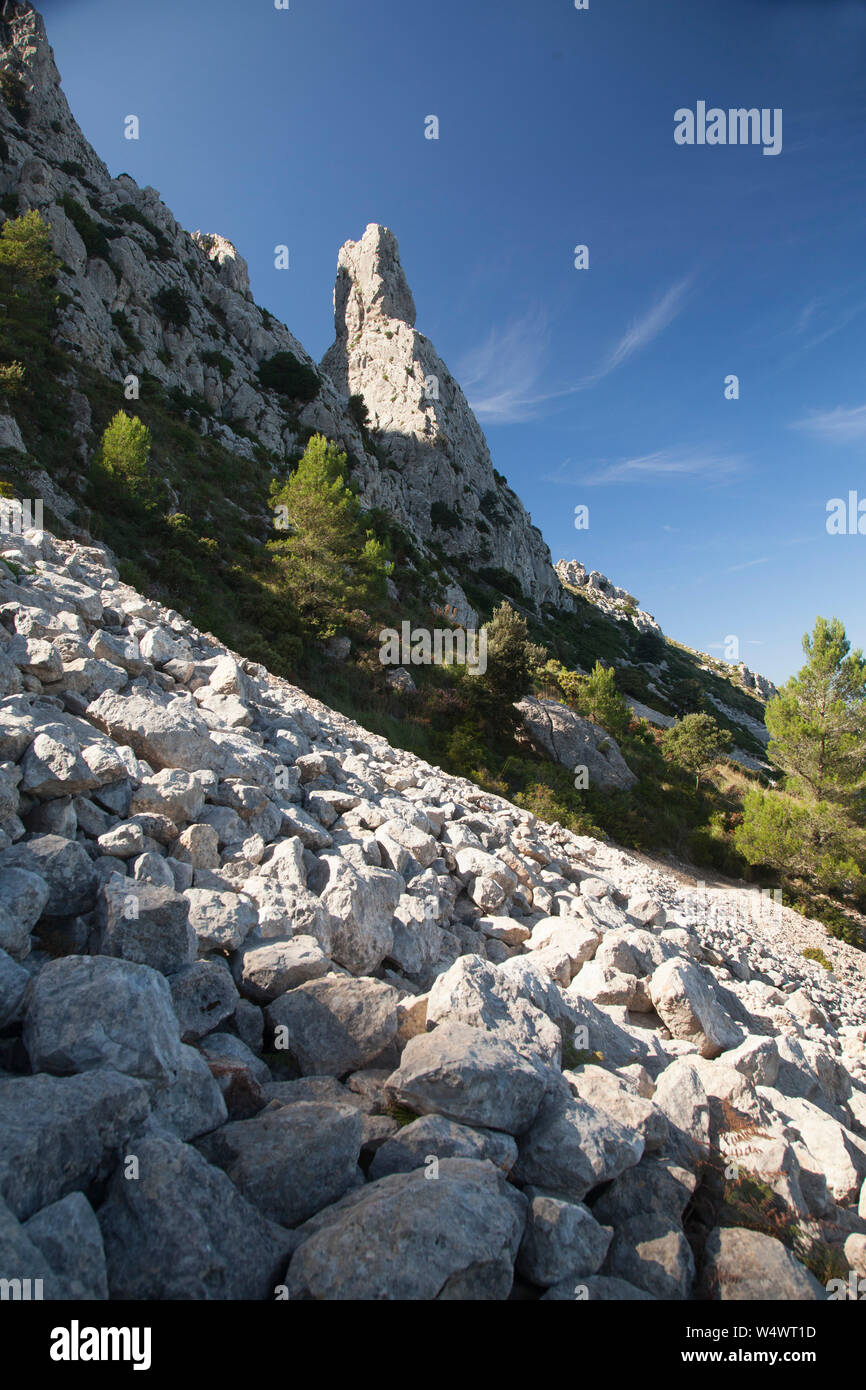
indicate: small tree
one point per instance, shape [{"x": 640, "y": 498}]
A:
[
  {"x": 290, "y": 377},
  {"x": 14, "y": 92},
  {"x": 12, "y": 379},
  {"x": 359, "y": 412},
  {"x": 818, "y": 721},
  {"x": 122, "y": 456},
  {"x": 697, "y": 743},
  {"x": 808, "y": 840},
  {"x": 510, "y": 657},
  {"x": 687, "y": 695},
  {"x": 26, "y": 257},
  {"x": 330, "y": 564},
  {"x": 601, "y": 701}
]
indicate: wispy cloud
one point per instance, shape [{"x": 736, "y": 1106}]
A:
[
  {"x": 665, "y": 465},
  {"x": 749, "y": 564},
  {"x": 642, "y": 331},
  {"x": 840, "y": 426},
  {"x": 502, "y": 376}
]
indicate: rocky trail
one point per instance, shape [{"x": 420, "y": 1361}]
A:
[{"x": 286, "y": 1012}]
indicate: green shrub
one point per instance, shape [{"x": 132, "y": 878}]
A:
[
  {"x": 14, "y": 93},
  {"x": 219, "y": 360},
  {"x": 815, "y": 953},
  {"x": 122, "y": 457},
  {"x": 11, "y": 379},
  {"x": 172, "y": 307},
  {"x": 287, "y": 376},
  {"x": 504, "y": 582},
  {"x": 443, "y": 518},
  {"x": 359, "y": 412},
  {"x": 92, "y": 233},
  {"x": 126, "y": 331},
  {"x": 25, "y": 249},
  {"x": 697, "y": 743}
]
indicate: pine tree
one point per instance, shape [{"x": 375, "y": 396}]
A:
[
  {"x": 510, "y": 657},
  {"x": 330, "y": 564},
  {"x": 818, "y": 721},
  {"x": 26, "y": 257},
  {"x": 122, "y": 457},
  {"x": 601, "y": 701}
]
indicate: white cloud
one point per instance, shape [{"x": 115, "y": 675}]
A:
[
  {"x": 501, "y": 376},
  {"x": 664, "y": 465},
  {"x": 749, "y": 564},
  {"x": 840, "y": 426},
  {"x": 643, "y": 330}
]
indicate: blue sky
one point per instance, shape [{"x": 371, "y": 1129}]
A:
[{"x": 604, "y": 386}]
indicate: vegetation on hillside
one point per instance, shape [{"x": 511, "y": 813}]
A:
[{"x": 273, "y": 559}]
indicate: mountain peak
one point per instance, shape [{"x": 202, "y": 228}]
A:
[{"x": 371, "y": 283}]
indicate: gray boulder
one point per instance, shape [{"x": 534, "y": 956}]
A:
[
  {"x": 684, "y": 997},
  {"x": 264, "y": 971},
  {"x": 149, "y": 925},
  {"x": 362, "y": 905},
  {"x": 67, "y": 1232},
  {"x": 652, "y": 1253},
  {"x": 93, "y": 1011},
  {"x": 172, "y": 792},
  {"x": 23, "y": 898},
  {"x": 193, "y": 1104},
  {"x": 60, "y": 1134},
  {"x": 741, "y": 1265},
  {"x": 25, "y": 1269},
  {"x": 290, "y": 1160},
  {"x": 165, "y": 731},
  {"x": 182, "y": 1230},
  {"x": 452, "y": 1238},
  {"x": 432, "y": 1136},
  {"x": 468, "y": 1075},
  {"x": 64, "y": 865},
  {"x": 335, "y": 1025},
  {"x": 473, "y": 992},
  {"x": 562, "y": 1240},
  {"x": 204, "y": 996},
  {"x": 14, "y": 980},
  {"x": 572, "y": 1147},
  {"x": 572, "y": 741},
  {"x": 221, "y": 920}
]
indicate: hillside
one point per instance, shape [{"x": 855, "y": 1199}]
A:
[
  {"x": 296, "y": 974},
  {"x": 323, "y": 979},
  {"x": 232, "y": 397}
]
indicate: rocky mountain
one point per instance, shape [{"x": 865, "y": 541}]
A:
[
  {"x": 367, "y": 1031},
  {"x": 149, "y": 307},
  {"x": 443, "y": 482},
  {"x": 144, "y": 296},
  {"x": 618, "y": 603}
]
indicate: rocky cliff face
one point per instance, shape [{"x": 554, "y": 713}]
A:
[
  {"x": 617, "y": 603},
  {"x": 240, "y": 935},
  {"x": 443, "y": 483},
  {"x": 145, "y": 296}
]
